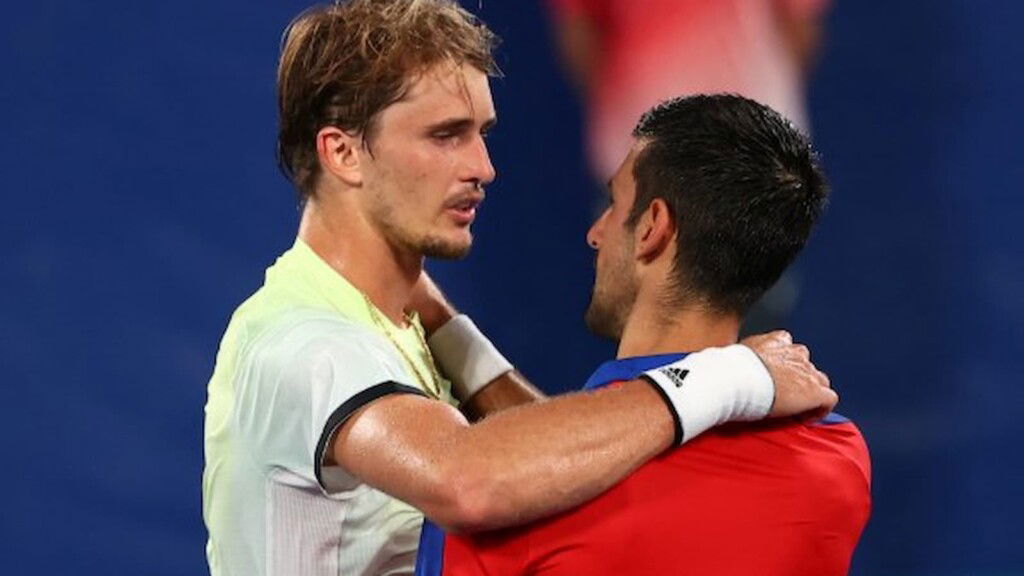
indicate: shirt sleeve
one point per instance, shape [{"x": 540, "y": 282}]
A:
[{"x": 306, "y": 384}]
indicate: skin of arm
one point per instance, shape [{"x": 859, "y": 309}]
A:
[
  {"x": 525, "y": 462},
  {"x": 518, "y": 465},
  {"x": 535, "y": 460},
  {"x": 508, "y": 390}
]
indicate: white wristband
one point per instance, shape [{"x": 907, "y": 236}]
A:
[
  {"x": 466, "y": 356},
  {"x": 712, "y": 387}
]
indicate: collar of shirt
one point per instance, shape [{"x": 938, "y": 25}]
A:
[
  {"x": 303, "y": 279},
  {"x": 627, "y": 369},
  {"x": 321, "y": 285}
]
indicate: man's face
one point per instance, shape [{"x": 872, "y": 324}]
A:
[
  {"x": 615, "y": 282},
  {"x": 429, "y": 162}
]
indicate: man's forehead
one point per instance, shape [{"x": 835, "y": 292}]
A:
[
  {"x": 625, "y": 172},
  {"x": 448, "y": 89}
]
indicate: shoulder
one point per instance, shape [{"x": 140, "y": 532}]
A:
[
  {"x": 840, "y": 432},
  {"x": 306, "y": 332},
  {"x": 822, "y": 449},
  {"x": 313, "y": 344},
  {"x": 830, "y": 451},
  {"x": 846, "y": 439}
]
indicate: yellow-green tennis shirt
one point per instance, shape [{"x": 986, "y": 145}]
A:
[{"x": 298, "y": 357}]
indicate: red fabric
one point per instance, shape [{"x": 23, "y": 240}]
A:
[{"x": 777, "y": 498}]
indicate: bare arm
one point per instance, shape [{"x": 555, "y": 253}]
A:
[
  {"x": 511, "y": 468},
  {"x": 508, "y": 390},
  {"x": 531, "y": 461}
]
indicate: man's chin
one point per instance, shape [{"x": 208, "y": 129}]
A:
[
  {"x": 603, "y": 323},
  {"x": 443, "y": 249}
]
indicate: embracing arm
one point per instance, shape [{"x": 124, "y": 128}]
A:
[
  {"x": 509, "y": 388},
  {"x": 513, "y": 467},
  {"x": 543, "y": 457},
  {"x": 531, "y": 461}
]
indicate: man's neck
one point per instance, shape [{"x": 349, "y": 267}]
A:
[
  {"x": 666, "y": 329},
  {"x": 355, "y": 250}
]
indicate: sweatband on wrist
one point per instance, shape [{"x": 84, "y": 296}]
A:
[
  {"x": 466, "y": 356},
  {"x": 712, "y": 387}
]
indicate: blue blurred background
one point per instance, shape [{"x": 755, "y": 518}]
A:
[{"x": 142, "y": 204}]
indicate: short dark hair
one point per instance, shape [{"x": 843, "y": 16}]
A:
[
  {"x": 745, "y": 189},
  {"x": 343, "y": 63}
]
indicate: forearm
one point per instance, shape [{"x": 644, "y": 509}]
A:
[
  {"x": 508, "y": 390},
  {"x": 557, "y": 454},
  {"x": 453, "y": 353},
  {"x": 516, "y": 466},
  {"x": 539, "y": 459}
]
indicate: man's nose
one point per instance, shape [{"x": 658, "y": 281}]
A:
[
  {"x": 480, "y": 168},
  {"x": 593, "y": 233}
]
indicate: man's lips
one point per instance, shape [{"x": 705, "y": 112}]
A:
[{"x": 463, "y": 207}]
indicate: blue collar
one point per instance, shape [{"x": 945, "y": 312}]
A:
[{"x": 627, "y": 369}]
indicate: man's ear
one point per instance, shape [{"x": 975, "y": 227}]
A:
[
  {"x": 340, "y": 154},
  {"x": 655, "y": 231}
]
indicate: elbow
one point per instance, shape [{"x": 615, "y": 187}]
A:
[{"x": 474, "y": 501}]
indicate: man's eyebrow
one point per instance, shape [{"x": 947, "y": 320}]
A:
[{"x": 456, "y": 125}]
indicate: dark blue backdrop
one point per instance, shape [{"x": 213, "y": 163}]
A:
[{"x": 141, "y": 204}]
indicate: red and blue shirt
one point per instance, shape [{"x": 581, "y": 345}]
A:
[{"x": 776, "y": 497}]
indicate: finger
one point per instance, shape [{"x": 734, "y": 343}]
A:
[
  {"x": 801, "y": 351},
  {"x": 755, "y": 341},
  {"x": 830, "y": 399},
  {"x": 783, "y": 335},
  {"x": 823, "y": 379}
]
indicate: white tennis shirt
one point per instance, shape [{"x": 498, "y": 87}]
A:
[{"x": 298, "y": 357}]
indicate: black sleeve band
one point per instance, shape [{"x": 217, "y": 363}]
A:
[
  {"x": 671, "y": 409},
  {"x": 347, "y": 408}
]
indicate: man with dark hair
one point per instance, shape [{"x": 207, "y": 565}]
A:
[
  {"x": 329, "y": 429},
  {"x": 715, "y": 199}
]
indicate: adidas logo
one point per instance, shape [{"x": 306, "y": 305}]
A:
[{"x": 676, "y": 375}]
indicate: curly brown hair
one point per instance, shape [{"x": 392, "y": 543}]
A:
[{"x": 343, "y": 63}]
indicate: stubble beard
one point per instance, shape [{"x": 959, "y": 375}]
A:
[
  {"x": 611, "y": 302},
  {"x": 422, "y": 244},
  {"x": 441, "y": 249},
  {"x": 428, "y": 245}
]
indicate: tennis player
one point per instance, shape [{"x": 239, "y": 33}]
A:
[
  {"x": 329, "y": 429},
  {"x": 715, "y": 199}
]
